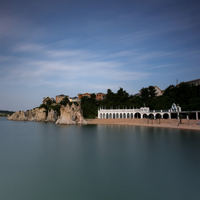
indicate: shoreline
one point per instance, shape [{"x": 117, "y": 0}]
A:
[{"x": 162, "y": 123}]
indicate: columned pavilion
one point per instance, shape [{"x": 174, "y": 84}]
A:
[{"x": 143, "y": 112}]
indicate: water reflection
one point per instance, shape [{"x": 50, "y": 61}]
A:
[{"x": 45, "y": 161}]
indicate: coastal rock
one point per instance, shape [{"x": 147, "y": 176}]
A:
[
  {"x": 39, "y": 114},
  {"x": 36, "y": 114},
  {"x": 18, "y": 116},
  {"x": 52, "y": 116},
  {"x": 71, "y": 115}
]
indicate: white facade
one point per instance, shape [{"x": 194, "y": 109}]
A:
[
  {"x": 159, "y": 92},
  {"x": 143, "y": 112},
  {"x": 74, "y": 99}
]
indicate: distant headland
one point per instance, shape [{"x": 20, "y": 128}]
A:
[{"x": 5, "y": 113}]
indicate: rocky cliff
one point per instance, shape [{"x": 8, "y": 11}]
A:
[
  {"x": 52, "y": 116},
  {"x": 69, "y": 115},
  {"x": 36, "y": 114}
]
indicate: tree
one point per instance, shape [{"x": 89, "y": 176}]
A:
[
  {"x": 48, "y": 102},
  {"x": 170, "y": 91},
  {"x": 152, "y": 91},
  {"x": 187, "y": 96},
  {"x": 110, "y": 96},
  {"x": 56, "y": 108},
  {"x": 122, "y": 95},
  {"x": 45, "y": 106},
  {"x": 65, "y": 101},
  {"x": 144, "y": 94},
  {"x": 89, "y": 106}
]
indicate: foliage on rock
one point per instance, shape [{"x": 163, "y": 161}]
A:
[{"x": 65, "y": 101}]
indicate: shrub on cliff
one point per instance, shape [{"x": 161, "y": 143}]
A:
[
  {"x": 65, "y": 101},
  {"x": 55, "y": 107}
]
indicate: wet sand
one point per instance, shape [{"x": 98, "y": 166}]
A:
[{"x": 165, "y": 123}]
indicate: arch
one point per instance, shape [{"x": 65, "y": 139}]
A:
[
  {"x": 174, "y": 115},
  {"x": 129, "y": 114},
  {"x": 117, "y": 115},
  {"x": 137, "y": 115},
  {"x": 151, "y": 116},
  {"x": 166, "y": 116},
  {"x": 145, "y": 116},
  {"x": 158, "y": 116}
]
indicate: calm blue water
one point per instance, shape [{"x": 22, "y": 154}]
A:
[{"x": 43, "y": 161}]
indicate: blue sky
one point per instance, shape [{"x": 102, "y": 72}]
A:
[{"x": 68, "y": 47}]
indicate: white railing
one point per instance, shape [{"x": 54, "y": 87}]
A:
[{"x": 124, "y": 110}]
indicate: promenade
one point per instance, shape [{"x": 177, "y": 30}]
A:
[{"x": 164, "y": 123}]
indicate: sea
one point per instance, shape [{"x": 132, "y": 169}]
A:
[{"x": 44, "y": 161}]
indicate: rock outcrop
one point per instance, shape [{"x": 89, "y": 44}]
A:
[
  {"x": 52, "y": 116},
  {"x": 37, "y": 114},
  {"x": 18, "y": 116},
  {"x": 71, "y": 115}
]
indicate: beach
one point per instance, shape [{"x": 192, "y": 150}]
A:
[{"x": 164, "y": 123}]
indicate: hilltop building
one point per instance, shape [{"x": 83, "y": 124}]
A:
[
  {"x": 74, "y": 99},
  {"x": 47, "y": 100},
  {"x": 100, "y": 96},
  {"x": 84, "y": 95},
  {"x": 159, "y": 92},
  {"x": 193, "y": 82},
  {"x": 60, "y": 97}
]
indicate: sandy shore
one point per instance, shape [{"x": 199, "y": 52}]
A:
[{"x": 165, "y": 123}]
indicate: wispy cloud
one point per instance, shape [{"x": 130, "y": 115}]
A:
[
  {"x": 163, "y": 66},
  {"x": 28, "y": 47},
  {"x": 36, "y": 64},
  {"x": 58, "y": 65}
]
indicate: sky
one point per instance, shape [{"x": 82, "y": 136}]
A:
[{"x": 48, "y": 48}]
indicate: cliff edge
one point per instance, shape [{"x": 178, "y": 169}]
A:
[
  {"x": 69, "y": 115},
  {"x": 37, "y": 114}
]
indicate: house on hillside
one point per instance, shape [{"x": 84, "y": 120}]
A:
[
  {"x": 193, "y": 82},
  {"x": 60, "y": 97},
  {"x": 100, "y": 96},
  {"x": 159, "y": 92},
  {"x": 84, "y": 95},
  {"x": 74, "y": 99},
  {"x": 48, "y": 100}
]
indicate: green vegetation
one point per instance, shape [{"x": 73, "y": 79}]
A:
[
  {"x": 120, "y": 99},
  {"x": 55, "y": 107},
  {"x": 185, "y": 95},
  {"x": 65, "y": 101},
  {"x": 4, "y": 113},
  {"x": 89, "y": 106}
]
